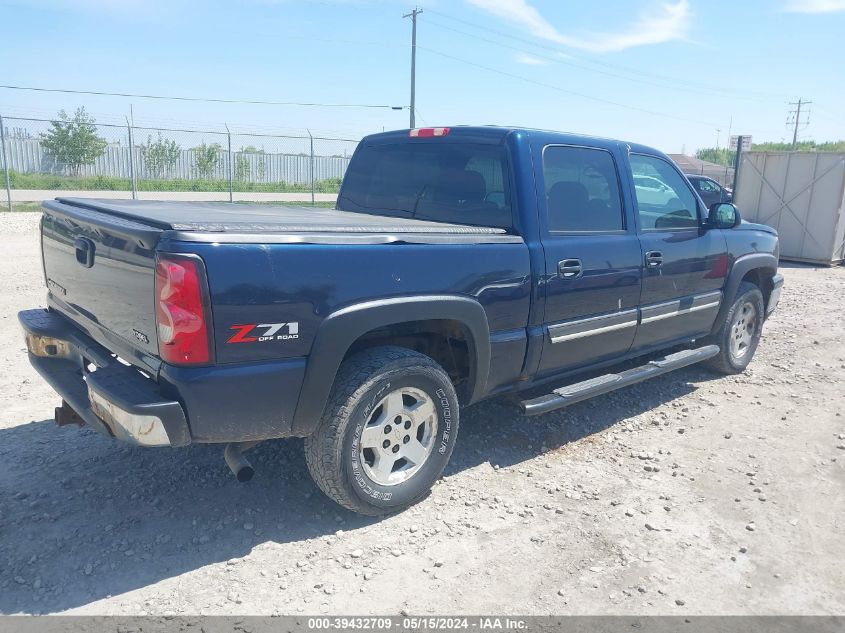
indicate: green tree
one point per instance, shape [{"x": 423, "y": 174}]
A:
[
  {"x": 207, "y": 158},
  {"x": 73, "y": 141},
  {"x": 242, "y": 168},
  {"x": 160, "y": 155},
  {"x": 724, "y": 156},
  {"x": 802, "y": 146},
  {"x": 246, "y": 169},
  {"x": 720, "y": 156}
]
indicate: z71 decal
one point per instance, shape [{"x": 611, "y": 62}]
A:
[{"x": 258, "y": 333}]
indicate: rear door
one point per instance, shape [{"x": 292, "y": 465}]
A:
[
  {"x": 685, "y": 264},
  {"x": 593, "y": 259}
]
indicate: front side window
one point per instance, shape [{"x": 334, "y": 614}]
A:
[
  {"x": 460, "y": 183},
  {"x": 664, "y": 198},
  {"x": 582, "y": 190},
  {"x": 707, "y": 186}
]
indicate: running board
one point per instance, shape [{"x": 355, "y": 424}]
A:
[{"x": 586, "y": 389}]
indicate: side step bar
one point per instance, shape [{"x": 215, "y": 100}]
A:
[{"x": 586, "y": 389}]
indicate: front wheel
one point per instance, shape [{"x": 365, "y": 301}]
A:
[
  {"x": 739, "y": 333},
  {"x": 387, "y": 432}
]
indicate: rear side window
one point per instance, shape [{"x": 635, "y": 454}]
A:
[
  {"x": 664, "y": 199},
  {"x": 582, "y": 190},
  {"x": 460, "y": 183}
]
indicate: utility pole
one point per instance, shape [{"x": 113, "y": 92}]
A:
[
  {"x": 794, "y": 119},
  {"x": 737, "y": 157},
  {"x": 133, "y": 179},
  {"x": 730, "y": 129},
  {"x": 5, "y": 164},
  {"x": 413, "y": 15}
]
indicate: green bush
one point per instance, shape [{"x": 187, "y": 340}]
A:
[{"x": 18, "y": 180}]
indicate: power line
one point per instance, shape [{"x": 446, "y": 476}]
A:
[
  {"x": 573, "y": 92},
  {"x": 557, "y": 60},
  {"x": 316, "y": 137},
  {"x": 556, "y": 49},
  {"x": 565, "y": 90},
  {"x": 205, "y": 99},
  {"x": 420, "y": 116},
  {"x": 828, "y": 114}
]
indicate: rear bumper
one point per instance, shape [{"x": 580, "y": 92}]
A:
[
  {"x": 223, "y": 403},
  {"x": 774, "y": 296},
  {"x": 116, "y": 399}
]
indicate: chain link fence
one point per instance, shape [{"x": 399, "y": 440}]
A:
[
  {"x": 41, "y": 159},
  {"x": 690, "y": 165}
]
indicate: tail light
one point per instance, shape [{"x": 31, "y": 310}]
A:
[
  {"x": 428, "y": 132},
  {"x": 182, "y": 310}
]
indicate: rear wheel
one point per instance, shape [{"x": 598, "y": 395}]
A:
[
  {"x": 739, "y": 333},
  {"x": 387, "y": 432}
]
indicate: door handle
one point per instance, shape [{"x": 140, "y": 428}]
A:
[
  {"x": 653, "y": 259},
  {"x": 569, "y": 268}
]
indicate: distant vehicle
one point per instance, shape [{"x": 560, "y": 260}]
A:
[
  {"x": 460, "y": 263},
  {"x": 651, "y": 190},
  {"x": 709, "y": 190}
]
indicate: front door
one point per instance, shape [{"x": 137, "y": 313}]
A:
[
  {"x": 593, "y": 260},
  {"x": 685, "y": 264}
]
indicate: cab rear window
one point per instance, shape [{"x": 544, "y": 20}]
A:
[{"x": 444, "y": 182}]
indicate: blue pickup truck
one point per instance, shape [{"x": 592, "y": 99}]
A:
[{"x": 459, "y": 264}]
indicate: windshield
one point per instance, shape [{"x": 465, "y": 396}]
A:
[{"x": 446, "y": 182}]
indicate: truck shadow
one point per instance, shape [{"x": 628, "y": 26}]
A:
[{"x": 83, "y": 518}]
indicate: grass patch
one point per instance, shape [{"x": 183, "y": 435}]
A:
[
  {"x": 21, "y": 207},
  {"x": 31, "y": 207},
  {"x": 110, "y": 183},
  {"x": 289, "y": 203}
]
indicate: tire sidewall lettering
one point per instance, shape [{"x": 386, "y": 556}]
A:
[{"x": 445, "y": 420}]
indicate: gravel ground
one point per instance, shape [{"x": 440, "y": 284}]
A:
[{"x": 688, "y": 494}]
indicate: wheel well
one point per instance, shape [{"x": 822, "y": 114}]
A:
[
  {"x": 762, "y": 278},
  {"x": 446, "y": 341}
]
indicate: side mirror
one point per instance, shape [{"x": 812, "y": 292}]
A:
[{"x": 723, "y": 215}]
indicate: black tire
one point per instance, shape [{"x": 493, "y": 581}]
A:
[
  {"x": 730, "y": 360},
  {"x": 338, "y": 464}
]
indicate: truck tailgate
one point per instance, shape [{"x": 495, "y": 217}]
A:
[{"x": 100, "y": 273}]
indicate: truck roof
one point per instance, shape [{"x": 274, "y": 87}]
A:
[{"x": 495, "y": 134}]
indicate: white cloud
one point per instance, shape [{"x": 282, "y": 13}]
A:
[
  {"x": 530, "y": 60},
  {"x": 814, "y": 6},
  {"x": 665, "y": 23},
  {"x": 521, "y": 13}
]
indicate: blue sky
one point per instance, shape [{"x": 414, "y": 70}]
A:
[{"x": 668, "y": 73}]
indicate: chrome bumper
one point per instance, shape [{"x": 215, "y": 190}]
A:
[{"x": 114, "y": 399}]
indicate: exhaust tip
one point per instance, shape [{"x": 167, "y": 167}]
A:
[
  {"x": 245, "y": 474},
  {"x": 237, "y": 463}
]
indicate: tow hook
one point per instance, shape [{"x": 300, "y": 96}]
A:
[
  {"x": 66, "y": 415},
  {"x": 238, "y": 464}
]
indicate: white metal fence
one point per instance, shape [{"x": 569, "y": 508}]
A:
[
  {"x": 139, "y": 159},
  {"x": 802, "y": 195}
]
